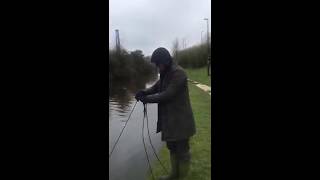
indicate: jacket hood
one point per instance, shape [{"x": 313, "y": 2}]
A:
[{"x": 161, "y": 56}]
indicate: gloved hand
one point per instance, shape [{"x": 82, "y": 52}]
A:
[
  {"x": 140, "y": 94},
  {"x": 144, "y": 99}
]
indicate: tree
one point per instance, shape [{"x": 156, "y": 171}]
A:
[
  {"x": 137, "y": 54},
  {"x": 175, "y": 50}
]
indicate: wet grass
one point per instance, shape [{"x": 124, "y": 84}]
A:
[
  {"x": 200, "y": 144},
  {"x": 199, "y": 74}
]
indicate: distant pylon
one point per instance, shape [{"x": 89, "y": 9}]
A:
[{"x": 117, "y": 41}]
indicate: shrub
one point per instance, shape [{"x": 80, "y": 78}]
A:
[{"x": 193, "y": 57}]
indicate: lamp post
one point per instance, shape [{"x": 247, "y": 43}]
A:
[
  {"x": 201, "y": 36},
  {"x": 206, "y": 19}
]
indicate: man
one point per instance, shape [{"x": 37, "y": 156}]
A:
[{"x": 175, "y": 117}]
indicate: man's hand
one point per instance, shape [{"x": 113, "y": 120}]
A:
[
  {"x": 144, "y": 99},
  {"x": 140, "y": 94}
]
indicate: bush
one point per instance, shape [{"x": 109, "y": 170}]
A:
[
  {"x": 124, "y": 65},
  {"x": 193, "y": 57}
]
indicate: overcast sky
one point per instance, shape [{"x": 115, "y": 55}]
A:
[{"x": 149, "y": 24}]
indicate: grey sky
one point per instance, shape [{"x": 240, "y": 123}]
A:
[{"x": 148, "y": 24}]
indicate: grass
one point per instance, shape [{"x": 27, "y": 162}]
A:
[
  {"x": 199, "y": 74},
  {"x": 200, "y": 144}
]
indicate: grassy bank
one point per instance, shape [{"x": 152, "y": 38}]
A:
[
  {"x": 200, "y": 144},
  {"x": 199, "y": 74}
]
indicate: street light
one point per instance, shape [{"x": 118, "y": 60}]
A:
[
  {"x": 206, "y": 19},
  {"x": 201, "y": 36}
]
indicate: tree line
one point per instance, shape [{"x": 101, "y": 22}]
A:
[
  {"x": 193, "y": 57},
  {"x": 125, "y": 65}
]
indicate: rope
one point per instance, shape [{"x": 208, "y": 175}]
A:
[
  {"x": 123, "y": 129},
  {"x": 154, "y": 151},
  {"x": 142, "y": 135},
  {"x": 144, "y": 144}
]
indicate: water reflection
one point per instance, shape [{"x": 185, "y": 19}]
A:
[
  {"x": 128, "y": 160},
  {"x": 122, "y": 93}
]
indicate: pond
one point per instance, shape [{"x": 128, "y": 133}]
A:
[{"x": 128, "y": 160}]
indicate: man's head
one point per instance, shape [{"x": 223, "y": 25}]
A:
[{"x": 161, "y": 57}]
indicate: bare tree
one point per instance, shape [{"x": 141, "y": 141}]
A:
[
  {"x": 175, "y": 50},
  {"x": 184, "y": 43}
]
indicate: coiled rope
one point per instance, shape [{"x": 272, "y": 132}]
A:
[{"x": 145, "y": 116}]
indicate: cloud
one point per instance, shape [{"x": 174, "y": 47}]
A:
[{"x": 148, "y": 24}]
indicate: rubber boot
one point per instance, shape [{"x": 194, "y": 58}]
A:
[
  {"x": 174, "y": 169},
  {"x": 183, "y": 165}
]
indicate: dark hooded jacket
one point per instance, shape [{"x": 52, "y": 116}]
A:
[{"x": 175, "y": 117}]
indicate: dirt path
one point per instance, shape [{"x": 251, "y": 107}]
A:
[{"x": 201, "y": 86}]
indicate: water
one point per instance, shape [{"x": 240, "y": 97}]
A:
[{"x": 128, "y": 160}]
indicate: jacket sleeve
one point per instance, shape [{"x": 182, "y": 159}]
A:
[
  {"x": 153, "y": 89},
  {"x": 177, "y": 82}
]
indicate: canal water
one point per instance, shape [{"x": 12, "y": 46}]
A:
[{"x": 128, "y": 160}]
